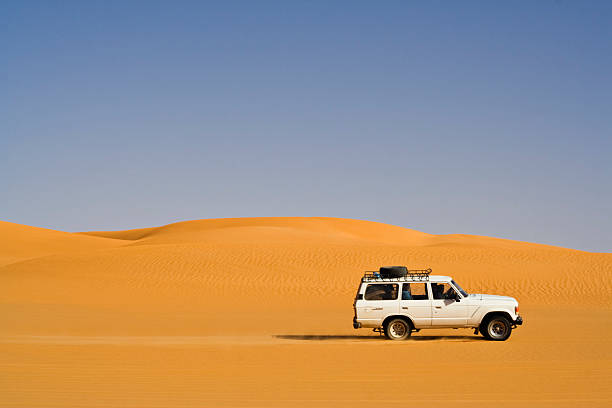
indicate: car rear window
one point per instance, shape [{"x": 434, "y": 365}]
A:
[{"x": 380, "y": 291}]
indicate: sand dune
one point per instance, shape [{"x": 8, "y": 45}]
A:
[
  {"x": 303, "y": 264},
  {"x": 267, "y": 229},
  {"x": 21, "y": 242},
  {"x": 264, "y": 284}
]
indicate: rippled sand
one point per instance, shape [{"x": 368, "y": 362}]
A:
[{"x": 257, "y": 312}]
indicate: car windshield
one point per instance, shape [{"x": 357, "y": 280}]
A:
[{"x": 463, "y": 292}]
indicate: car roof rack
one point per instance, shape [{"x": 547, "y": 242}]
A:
[{"x": 411, "y": 275}]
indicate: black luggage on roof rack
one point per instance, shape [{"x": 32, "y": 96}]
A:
[
  {"x": 387, "y": 272},
  {"x": 401, "y": 274}
]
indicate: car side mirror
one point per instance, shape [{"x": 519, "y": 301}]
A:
[{"x": 458, "y": 298}]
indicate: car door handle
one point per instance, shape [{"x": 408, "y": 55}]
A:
[
  {"x": 377, "y": 308},
  {"x": 438, "y": 307},
  {"x": 404, "y": 307}
]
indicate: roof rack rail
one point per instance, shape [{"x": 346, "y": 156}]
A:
[{"x": 412, "y": 275}]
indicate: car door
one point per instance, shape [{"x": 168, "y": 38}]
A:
[
  {"x": 416, "y": 303},
  {"x": 379, "y": 301},
  {"x": 446, "y": 311}
]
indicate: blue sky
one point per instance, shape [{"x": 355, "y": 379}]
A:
[{"x": 488, "y": 118}]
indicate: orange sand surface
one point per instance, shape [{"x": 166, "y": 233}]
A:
[{"x": 256, "y": 312}]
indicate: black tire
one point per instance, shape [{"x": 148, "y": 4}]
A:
[
  {"x": 482, "y": 329},
  {"x": 388, "y": 272},
  {"x": 398, "y": 329},
  {"x": 497, "y": 328}
]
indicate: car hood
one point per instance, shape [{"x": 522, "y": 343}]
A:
[{"x": 492, "y": 298}]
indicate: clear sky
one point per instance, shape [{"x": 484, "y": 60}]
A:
[{"x": 488, "y": 118}]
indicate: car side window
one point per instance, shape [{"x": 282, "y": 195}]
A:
[
  {"x": 443, "y": 291},
  {"x": 414, "y": 291},
  {"x": 381, "y": 292}
]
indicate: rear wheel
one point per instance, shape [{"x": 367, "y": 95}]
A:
[
  {"x": 398, "y": 329},
  {"x": 497, "y": 328}
]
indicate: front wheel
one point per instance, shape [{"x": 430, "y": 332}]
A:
[
  {"x": 398, "y": 329},
  {"x": 498, "y": 328}
]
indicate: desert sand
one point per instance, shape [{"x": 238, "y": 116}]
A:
[{"x": 256, "y": 312}]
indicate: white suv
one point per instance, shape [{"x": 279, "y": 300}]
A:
[{"x": 413, "y": 300}]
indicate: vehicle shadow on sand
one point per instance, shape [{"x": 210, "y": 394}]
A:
[{"x": 325, "y": 337}]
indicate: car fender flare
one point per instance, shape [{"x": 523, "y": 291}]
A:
[
  {"x": 397, "y": 316},
  {"x": 491, "y": 313}
]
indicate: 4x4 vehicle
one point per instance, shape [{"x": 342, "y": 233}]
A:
[{"x": 397, "y": 301}]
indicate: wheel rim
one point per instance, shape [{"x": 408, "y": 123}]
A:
[
  {"x": 497, "y": 329},
  {"x": 398, "y": 329}
]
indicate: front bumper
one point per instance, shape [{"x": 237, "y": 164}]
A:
[
  {"x": 518, "y": 321},
  {"x": 356, "y": 324}
]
